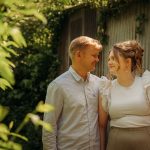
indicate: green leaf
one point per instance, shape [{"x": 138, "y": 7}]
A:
[
  {"x": 11, "y": 124},
  {"x": 6, "y": 70},
  {"x": 19, "y": 136},
  {"x": 4, "y": 53},
  {"x": 34, "y": 12},
  {"x": 45, "y": 125},
  {"x": 3, "y": 28},
  {"x": 11, "y": 50},
  {"x": 4, "y": 131},
  {"x": 41, "y": 107},
  {"x": 4, "y": 84},
  {"x": 10, "y": 145},
  {"x": 34, "y": 118},
  {"x": 40, "y": 17},
  {"x": 3, "y": 112},
  {"x": 17, "y": 37},
  {"x": 9, "y": 43},
  {"x": 36, "y": 121}
]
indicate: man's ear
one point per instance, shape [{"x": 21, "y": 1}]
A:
[{"x": 78, "y": 54}]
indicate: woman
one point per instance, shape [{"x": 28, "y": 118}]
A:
[{"x": 125, "y": 100}]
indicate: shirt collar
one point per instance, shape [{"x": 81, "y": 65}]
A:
[{"x": 77, "y": 76}]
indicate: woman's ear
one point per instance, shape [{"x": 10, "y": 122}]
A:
[{"x": 128, "y": 63}]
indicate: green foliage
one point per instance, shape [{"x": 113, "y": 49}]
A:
[
  {"x": 36, "y": 66},
  {"x": 102, "y": 21},
  {"x": 12, "y": 14},
  {"x": 140, "y": 22},
  {"x": 7, "y": 137},
  {"x": 11, "y": 36},
  {"x": 113, "y": 9},
  {"x": 36, "y": 63}
]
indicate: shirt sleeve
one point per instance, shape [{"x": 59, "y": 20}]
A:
[
  {"x": 104, "y": 90},
  {"x": 146, "y": 78},
  {"x": 54, "y": 97},
  {"x": 146, "y": 82}
]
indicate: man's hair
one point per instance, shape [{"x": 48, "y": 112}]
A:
[{"x": 81, "y": 43}]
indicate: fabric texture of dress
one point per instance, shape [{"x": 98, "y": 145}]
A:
[{"x": 129, "y": 110}]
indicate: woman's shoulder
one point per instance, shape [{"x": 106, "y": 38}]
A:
[
  {"x": 146, "y": 78},
  {"x": 104, "y": 82}
]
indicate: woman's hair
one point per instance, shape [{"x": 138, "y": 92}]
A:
[
  {"x": 130, "y": 49},
  {"x": 82, "y": 42}
]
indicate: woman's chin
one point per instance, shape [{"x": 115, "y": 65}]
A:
[{"x": 112, "y": 72}]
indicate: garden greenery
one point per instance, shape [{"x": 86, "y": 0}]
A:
[
  {"x": 33, "y": 63},
  {"x": 11, "y": 38}
]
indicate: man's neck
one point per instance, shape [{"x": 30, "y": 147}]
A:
[{"x": 80, "y": 71}]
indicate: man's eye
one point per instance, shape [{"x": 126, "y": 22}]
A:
[{"x": 95, "y": 56}]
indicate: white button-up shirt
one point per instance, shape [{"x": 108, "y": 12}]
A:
[{"x": 75, "y": 118}]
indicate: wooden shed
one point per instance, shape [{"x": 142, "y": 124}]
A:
[{"x": 133, "y": 22}]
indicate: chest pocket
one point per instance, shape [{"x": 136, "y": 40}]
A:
[
  {"x": 92, "y": 99},
  {"x": 75, "y": 98}
]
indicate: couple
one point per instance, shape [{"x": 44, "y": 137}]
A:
[{"x": 84, "y": 102}]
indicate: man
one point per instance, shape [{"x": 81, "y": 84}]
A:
[{"x": 74, "y": 94}]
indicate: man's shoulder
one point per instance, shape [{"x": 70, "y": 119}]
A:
[{"x": 61, "y": 78}]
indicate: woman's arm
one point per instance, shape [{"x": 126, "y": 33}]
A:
[{"x": 103, "y": 119}]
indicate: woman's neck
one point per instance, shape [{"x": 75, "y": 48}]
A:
[{"x": 125, "y": 79}]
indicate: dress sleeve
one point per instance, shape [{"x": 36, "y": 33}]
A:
[
  {"x": 146, "y": 78},
  {"x": 146, "y": 83},
  {"x": 104, "y": 90}
]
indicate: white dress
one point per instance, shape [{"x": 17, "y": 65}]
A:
[{"x": 128, "y": 107}]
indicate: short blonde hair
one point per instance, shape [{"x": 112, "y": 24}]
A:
[{"x": 82, "y": 42}]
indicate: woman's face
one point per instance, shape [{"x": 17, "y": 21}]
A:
[{"x": 114, "y": 66}]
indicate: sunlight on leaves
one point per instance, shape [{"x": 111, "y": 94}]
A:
[
  {"x": 3, "y": 113},
  {"x": 4, "y": 131},
  {"x": 11, "y": 124},
  {"x": 18, "y": 37},
  {"x": 6, "y": 70},
  {"x": 43, "y": 107},
  {"x": 4, "y": 84},
  {"x": 38, "y": 122},
  {"x": 19, "y": 136},
  {"x": 10, "y": 145}
]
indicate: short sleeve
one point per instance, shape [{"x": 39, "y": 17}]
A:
[
  {"x": 104, "y": 90},
  {"x": 146, "y": 78},
  {"x": 146, "y": 83}
]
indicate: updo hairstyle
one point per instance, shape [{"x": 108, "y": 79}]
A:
[{"x": 130, "y": 49}]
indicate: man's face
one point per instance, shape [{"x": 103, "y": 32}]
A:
[{"x": 89, "y": 58}]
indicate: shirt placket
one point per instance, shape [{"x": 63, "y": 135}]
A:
[{"x": 86, "y": 92}]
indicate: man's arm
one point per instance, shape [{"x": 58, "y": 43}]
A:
[{"x": 54, "y": 97}]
